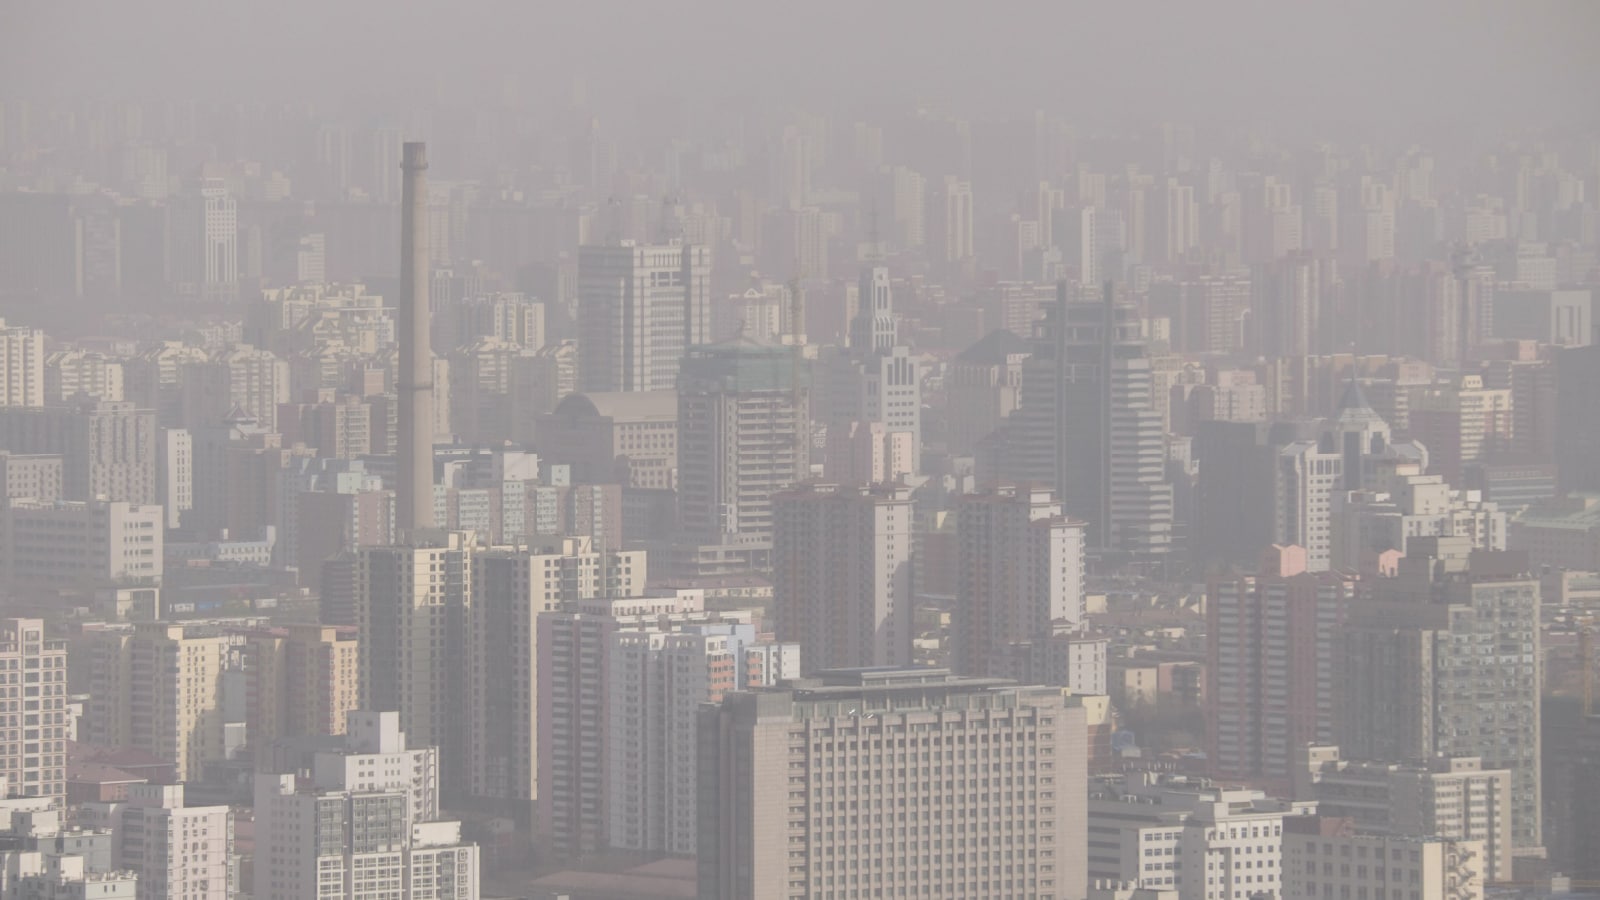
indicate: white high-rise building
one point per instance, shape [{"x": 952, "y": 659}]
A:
[
  {"x": 656, "y": 682},
  {"x": 910, "y": 193},
  {"x": 876, "y": 380},
  {"x": 511, "y": 589},
  {"x": 364, "y": 823},
  {"x": 177, "y": 850},
  {"x": 205, "y": 243},
  {"x": 33, "y": 758},
  {"x": 956, "y": 241},
  {"x": 1306, "y": 478},
  {"x": 577, "y": 724},
  {"x": 414, "y": 606},
  {"x": 640, "y": 308},
  {"x": 175, "y": 473},
  {"x": 842, "y": 574},
  {"x": 21, "y": 365}
]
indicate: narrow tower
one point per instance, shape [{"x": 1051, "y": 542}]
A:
[{"x": 414, "y": 494}]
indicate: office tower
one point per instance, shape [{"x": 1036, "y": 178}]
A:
[
  {"x": 364, "y": 823},
  {"x": 511, "y": 588},
  {"x": 1416, "y": 683},
  {"x": 414, "y": 381},
  {"x": 772, "y": 761},
  {"x": 630, "y": 438},
  {"x": 1454, "y": 798},
  {"x": 1577, "y": 436},
  {"x": 1179, "y": 833},
  {"x": 909, "y": 193},
  {"x": 641, "y": 307},
  {"x": 414, "y": 607},
  {"x": 982, "y": 387},
  {"x": 1271, "y": 223},
  {"x": 204, "y": 237},
  {"x": 158, "y": 688},
  {"x": 792, "y": 165},
  {"x": 743, "y": 435},
  {"x": 1317, "y": 850},
  {"x": 954, "y": 212},
  {"x": 1306, "y": 475},
  {"x": 302, "y": 680},
  {"x": 1088, "y": 425},
  {"x": 841, "y": 573},
  {"x": 108, "y": 449},
  {"x": 37, "y": 476},
  {"x": 1020, "y": 573},
  {"x": 656, "y": 683},
  {"x": 21, "y": 365},
  {"x": 1082, "y": 234},
  {"x": 876, "y": 380},
  {"x": 575, "y": 713},
  {"x": 34, "y": 756},
  {"x": 177, "y": 850},
  {"x": 1270, "y": 664},
  {"x": 61, "y": 546},
  {"x": 1177, "y": 222}
]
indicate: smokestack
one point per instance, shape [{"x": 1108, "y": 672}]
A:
[{"x": 414, "y": 497}]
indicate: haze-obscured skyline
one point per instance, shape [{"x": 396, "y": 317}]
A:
[{"x": 1369, "y": 62}]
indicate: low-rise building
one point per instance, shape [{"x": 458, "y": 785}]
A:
[{"x": 1326, "y": 858}]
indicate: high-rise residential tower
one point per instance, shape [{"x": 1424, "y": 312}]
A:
[
  {"x": 743, "y": 435},
  {"x": 1020, "y": 571},
  {"x": 841, "y": 573},
  {"x": 414, "y": 604},
  {"x": 1271, "y": 678},
  {"x": 1445, "y": 661}
]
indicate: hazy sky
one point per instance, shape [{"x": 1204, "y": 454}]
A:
[{"x": 1524, "y": 60}]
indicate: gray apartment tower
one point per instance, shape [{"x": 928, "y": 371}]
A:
[{"x": 1444, "y": 661}]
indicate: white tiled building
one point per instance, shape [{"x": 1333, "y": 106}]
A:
[
  {"x": 178, "y": 851},
  {"x": 364, "y": 823}
]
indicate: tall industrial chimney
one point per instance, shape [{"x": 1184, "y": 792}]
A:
[{"x": 414, "y": 497}]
